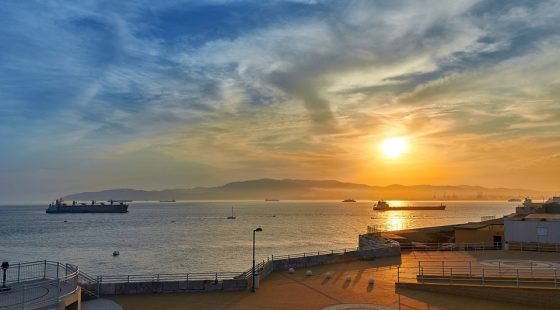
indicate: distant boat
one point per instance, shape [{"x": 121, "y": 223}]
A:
[
  {"x": 382, "y": 205},
  {"x": 271, "y": 199},
  {"x": 172, "y": 200},
  {"x": 231, "y": 217},
  {"x": 349, "y": 200},
  {"x": 116, "y": 253},
  {"x": 514, "y": 200}
]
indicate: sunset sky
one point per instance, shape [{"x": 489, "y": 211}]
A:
[{"x": 176, "y": 94}]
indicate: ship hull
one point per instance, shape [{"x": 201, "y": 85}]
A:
[
  {"x": 88, "y": 209},
  {"x": 410, "y": 208}
]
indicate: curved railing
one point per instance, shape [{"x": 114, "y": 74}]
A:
[{"x": 38, "y": 285}]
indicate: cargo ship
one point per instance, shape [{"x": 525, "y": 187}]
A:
[
  {"x": 111, "y": 206},
  {"x": 382, "y": 205}
]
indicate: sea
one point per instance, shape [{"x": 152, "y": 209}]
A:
[{"x": 196, "y": 236}]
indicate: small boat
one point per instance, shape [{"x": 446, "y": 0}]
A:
[
  {"x": 514, "y": 200},
  {"x": 231, "y": 217},
  {"x": 271, "y": 199},
  {"x": 172, "y": 200},
  {"x": 116, "y": 253},
  {"x": 382, "y": 205},
  {"x": 349, "y": 200}
]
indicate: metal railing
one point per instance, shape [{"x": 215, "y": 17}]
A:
[
  {"x": 450, "y": 246},
  {"x": 40, "y": 284},
  {"x": 481, "y": 246},
  {"x": 168, "y": 277},
  {"x": 526, "y": 274},
  {"x": 307, "y": 254}
]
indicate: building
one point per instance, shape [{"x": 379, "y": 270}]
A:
[
  {"x": 486, "y": 233},
  {"x": 533, "y": 231}
]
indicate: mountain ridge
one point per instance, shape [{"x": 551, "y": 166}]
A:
[{"x": 296, "y": 189}]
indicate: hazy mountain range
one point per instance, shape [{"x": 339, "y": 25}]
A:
[{"x": 288, "y": 189}]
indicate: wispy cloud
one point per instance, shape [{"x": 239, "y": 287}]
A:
[{"x": 245, "y": 88}]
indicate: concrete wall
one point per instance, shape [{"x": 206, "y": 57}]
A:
[
  {"x": 476, "y": 236},
  {"x": 324, "y": 259},
  {"x": 531, "y": 296},
  {"x": 526, "y": 231},
  {"x": 172, "y": 286}
]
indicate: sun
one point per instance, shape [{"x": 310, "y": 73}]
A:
[{"x": 393, "y": 147}]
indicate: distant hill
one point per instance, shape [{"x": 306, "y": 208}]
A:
[{"x": 288, "y": 189}]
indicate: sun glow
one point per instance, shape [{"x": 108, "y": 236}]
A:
[{"x": 393, "y": 147}]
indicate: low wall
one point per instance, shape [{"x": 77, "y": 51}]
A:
[
  {"x": 172, "y": 286},
  {"x": 325, "y": 259},
  {"x": 543, "y": 297}
]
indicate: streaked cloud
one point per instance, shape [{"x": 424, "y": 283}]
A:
[{"x": 241, "y": 89}]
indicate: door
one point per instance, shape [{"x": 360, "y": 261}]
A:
[{"x": 498, "y": 242}]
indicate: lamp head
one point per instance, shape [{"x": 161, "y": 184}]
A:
[
  {"x": 5, "y": 265},
  {"x": 258, "y": 229}
]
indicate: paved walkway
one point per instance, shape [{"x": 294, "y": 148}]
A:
[
  {"x": 100, "y": 304},
  {"x": 296, "y": 291},
  {"x": 35, "y": 294}
]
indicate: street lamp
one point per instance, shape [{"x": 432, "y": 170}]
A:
[
  {"x": 254, "y": 232},
  {"x": 5, "y": 267}
]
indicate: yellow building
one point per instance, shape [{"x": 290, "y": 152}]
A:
[{"x": 488, "y": 233}]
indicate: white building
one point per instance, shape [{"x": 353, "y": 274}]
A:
[{"x": 532, "y": 228}]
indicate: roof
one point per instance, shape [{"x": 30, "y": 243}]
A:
[
  {"x": 543, "y": 216},
  {"x": 479, "y": 225}
]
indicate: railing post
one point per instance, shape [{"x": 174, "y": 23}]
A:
[
  {"x": 418, "y": 266},
  {"x": 23, "y": 297},
  {"x": 531, "y": 264},
  {"x": 45, "y": 269},
  {"x": 443, "y": 268},
  {"x": 398, "y": 274},
  {"x": 187, "y": 280},
  {"x": 470, "y": 269},
  {"x": 499, "y": 268},
  {"x": 18, "y": 271},
  {"x": 422, "y": 275},
  {"x": 57, "y": 267},
  {"x": 555, "y": 285},
  {"x": 451, "y": 275},
  {"x": 482, "y": 278},
  {"x": 517, "y": 277}
]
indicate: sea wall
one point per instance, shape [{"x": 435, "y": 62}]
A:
[
  {"x": 333, "y": 258},
  {"x": 172, "y": 287}
]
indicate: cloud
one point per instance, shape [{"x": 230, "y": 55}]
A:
[{"x": 302, "y": 83}]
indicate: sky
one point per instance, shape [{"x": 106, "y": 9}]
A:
[{"x": 178, "y": 94}]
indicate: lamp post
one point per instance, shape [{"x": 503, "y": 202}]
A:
[
  {"x": 5, "y": 267},
  {"x": 254, "y": 232}
]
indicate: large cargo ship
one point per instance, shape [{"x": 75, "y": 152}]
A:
[
  {"x": 111, "y": 206},
  {"x": 382, "y": 205}
]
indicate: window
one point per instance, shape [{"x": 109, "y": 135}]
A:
[{"x": 542, "y": 231}]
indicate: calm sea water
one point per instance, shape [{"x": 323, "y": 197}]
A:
[{"x": 197, "y": 237}]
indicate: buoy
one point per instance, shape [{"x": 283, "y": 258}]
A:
[
  {"x": 328, "y": 275},
  {"x": 370, "y": 281},
  {"x": 291, "y": 270},
  {"x": 309, "y": 272},
  {"x": 348, "y": 278}
]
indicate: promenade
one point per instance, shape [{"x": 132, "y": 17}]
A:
[{"x": 282, "y": 290}]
